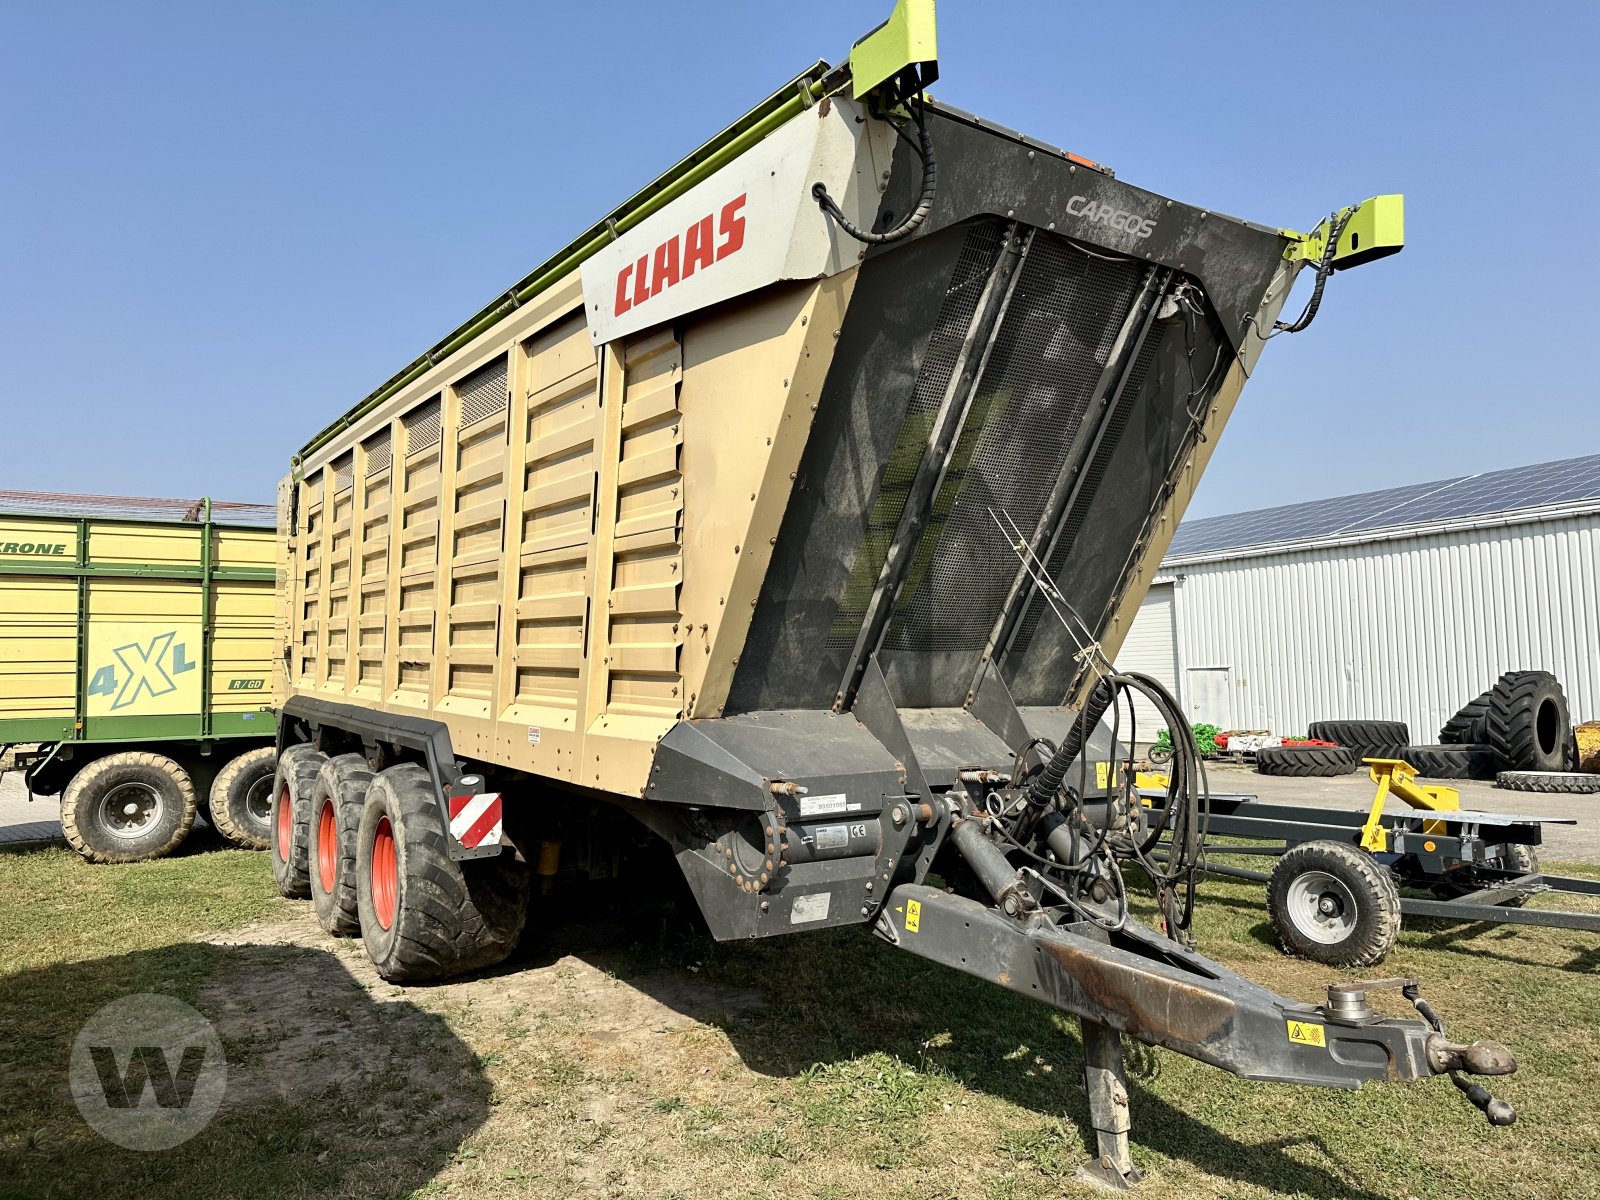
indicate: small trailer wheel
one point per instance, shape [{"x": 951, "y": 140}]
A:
[
  {"x": 337, "y": 799},
  {"x": 128, "y": 807},
  {"x": 241, "y": 798},
  {"x": 1333, "y": 904},
  {"x": 423, "y": 914},
  {"x": 292, "y": 783}
]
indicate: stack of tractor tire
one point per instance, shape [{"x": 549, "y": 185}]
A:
[
  {"x": 1518, "y": 733},
  {"x": 1524, "y": 719},
  {"x": 1348, "y": 743}
]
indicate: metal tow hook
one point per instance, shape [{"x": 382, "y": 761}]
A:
[{"x": 1459, "y": 1061}]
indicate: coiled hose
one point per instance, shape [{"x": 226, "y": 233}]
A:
[{"x": 930, "y": 178}]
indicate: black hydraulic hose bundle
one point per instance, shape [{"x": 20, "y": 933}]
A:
[
  {"x": 923, "y": 146},
  {"x": 1324, "y": 269},
  {"x": 1183, "y": 817}
]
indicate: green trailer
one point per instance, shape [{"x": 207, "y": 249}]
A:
[{"x": 136, "y": 665}]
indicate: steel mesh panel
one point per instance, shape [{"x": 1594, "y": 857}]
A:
[
  {"x": 1091, "y": 482},
  {"x": 378, "y": 452},
  {"x": 344, "y": 471},
  {"x": 423, "y": 426},
  {"x": 973, "y": 266},
  {"x": 1049, "y": 355},
  {"x": 483, "y": 393}
]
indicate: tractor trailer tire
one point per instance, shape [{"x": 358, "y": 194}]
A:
[
  {"x": 1566, "y": 783},
  {"x": 128, "y": 807},
  {"x": 337, "y": 799},
  {"x": 1366, "y": 738},
  {"x": 424, "y": 915},
  {"x": 1453, "y": 762},
  {"x": 1334, "y": 904},
  {"x": 1470, "y": 725},
  {"x": 241, "y": 798},
  {"x": 292, "y": 785},
  {"x": 1306, "y": 762},
  {"x": 1527, "y": 721}
]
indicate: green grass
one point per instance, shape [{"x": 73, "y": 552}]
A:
[{"x": 631, "y": 1056}]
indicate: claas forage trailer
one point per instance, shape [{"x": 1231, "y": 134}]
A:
[{"x": 793, "y": 513}]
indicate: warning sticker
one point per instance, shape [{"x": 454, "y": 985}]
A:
[
  {"x": 1303, "y": 1033},
  {"x": 913, "y": 916}
]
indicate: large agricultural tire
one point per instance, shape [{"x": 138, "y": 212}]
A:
[
  {"x": 1453, "y": 762},
  {"x": 128, "y": 807},
  {"x": 1361, "y": 736},
  {"x": 1333, "y": 904},
  {"x": 337, "y": 799},
  {"x": 241, "y": 798},
  {"x": 1519, "y": 860},
  {"x": 1528, "y": 721},
  {"x": 423, "y": 915},
  {"x": 1565, "y": 783},
  {"x": 292, "y": 783},
  {"x": 1306, "y": 762},
  {"x": 1470, "y": 725}
]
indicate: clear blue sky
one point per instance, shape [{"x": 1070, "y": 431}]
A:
[{"x": 225, "y": 223}]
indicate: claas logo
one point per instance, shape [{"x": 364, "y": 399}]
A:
[{"x": 246, "y": 685}]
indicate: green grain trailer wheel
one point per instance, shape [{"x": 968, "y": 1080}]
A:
[
  {"x": 241, "y": 798},
  {"x": 128, "y": 807}
]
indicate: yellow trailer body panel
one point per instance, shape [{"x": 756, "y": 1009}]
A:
[{"x": 118, "y": 630}]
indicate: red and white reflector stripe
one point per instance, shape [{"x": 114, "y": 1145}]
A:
[{"x": 475, "y": 820}]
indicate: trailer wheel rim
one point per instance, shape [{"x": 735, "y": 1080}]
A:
[
  {"x": 385, "y": 873},
  {"x": 1322, "y": 908},
  {"x": 327, "y": 846},
  {"x": 130, "y": 810},
  {"x": 285, "y": 823},
  {"x": 258, "y": 800}
]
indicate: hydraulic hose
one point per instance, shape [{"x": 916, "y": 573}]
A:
[
  {"x": 1324, "y": 269},
  {"x": 1042, "y": 791},
  {"x": 930, "y": 177}
]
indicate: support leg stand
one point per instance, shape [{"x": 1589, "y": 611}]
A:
[{"x": 1112, "y": 1167}]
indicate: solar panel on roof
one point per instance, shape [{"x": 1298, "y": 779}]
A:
[{"x": 1564, "y": 482}]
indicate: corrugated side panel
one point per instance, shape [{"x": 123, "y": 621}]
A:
[
  {"x": 476, "y": 484},
  {"x": 1409, "y": 629},
  {"x": 306, "y": 650},
  {"x": 557, "y": 431},
  {"x": 415, "y": 560},
  {"x": 38, "y": 646},
  {"x": 647, "y": 565},
  {"x": 373, "y": 485}
]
